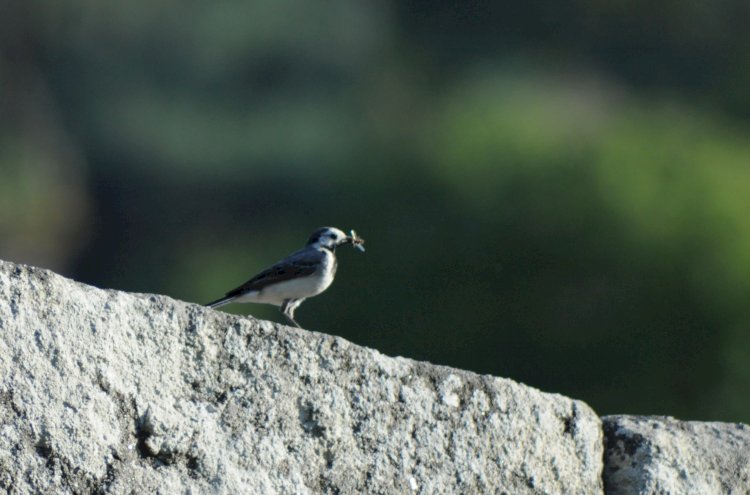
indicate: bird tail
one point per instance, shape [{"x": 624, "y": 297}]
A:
[{"x": 220, "y": 302}]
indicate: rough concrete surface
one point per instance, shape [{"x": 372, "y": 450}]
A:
[
  {"x": 662, "y": 455},
  {"x": 109, "y": 392}
]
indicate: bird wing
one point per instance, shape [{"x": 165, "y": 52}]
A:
[{"x": 301, "y": 263}]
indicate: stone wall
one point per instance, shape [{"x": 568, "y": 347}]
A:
[{"x": 109, "y": 392}]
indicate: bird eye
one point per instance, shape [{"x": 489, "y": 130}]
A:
[{"x": 332, "y": 236}]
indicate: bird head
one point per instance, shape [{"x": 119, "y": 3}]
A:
[{"x": 331, "y": 238}]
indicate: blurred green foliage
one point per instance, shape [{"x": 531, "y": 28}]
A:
[{"x": 557, "y": 192}]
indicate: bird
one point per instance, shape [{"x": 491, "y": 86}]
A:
[{"x": 303, "y": 274}]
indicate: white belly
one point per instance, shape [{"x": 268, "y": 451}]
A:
[{"x": 298, "y": 288}]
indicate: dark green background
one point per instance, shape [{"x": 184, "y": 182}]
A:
[{"x": 556, "y": 192}]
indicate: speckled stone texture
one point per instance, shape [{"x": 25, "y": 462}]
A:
[
  {"x": 662, "y": 455},
  {"x": 109, "y": 392}
]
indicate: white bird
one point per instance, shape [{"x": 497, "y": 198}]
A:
[{"x": 302, "y": 274}]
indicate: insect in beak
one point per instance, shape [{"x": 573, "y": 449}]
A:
[{"x": 356, "y": 241}]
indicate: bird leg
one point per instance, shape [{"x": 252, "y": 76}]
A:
[{"x": 287, "y": 309}]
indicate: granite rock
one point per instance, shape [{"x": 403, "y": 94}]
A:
[
  {"x": 662, "y": 455},
  {"x": 109, "y": 392}
]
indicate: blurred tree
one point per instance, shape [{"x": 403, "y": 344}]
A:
[{"x": 43, "y": 198}]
